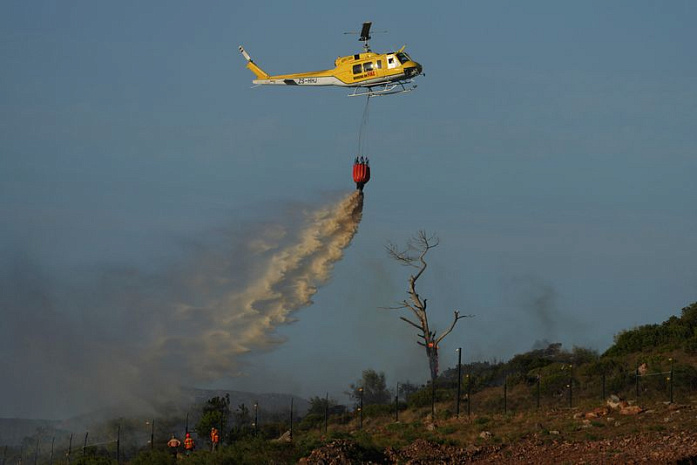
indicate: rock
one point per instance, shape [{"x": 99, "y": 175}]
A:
[
  {"x": 631, "y": 410},
  {"x": 285, "y": 437},
  {"x": 485, "y": 435},
  {"x": 647, "y": 447},
  {"x": 339, "y": 452}
]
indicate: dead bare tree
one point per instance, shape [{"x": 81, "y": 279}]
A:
[{"x": 414, "y": 256}]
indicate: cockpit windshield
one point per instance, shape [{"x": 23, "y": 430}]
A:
[{"x": 403, "y": 57}]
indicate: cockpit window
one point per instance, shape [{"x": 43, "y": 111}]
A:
[{"x": 403, "y": 57}]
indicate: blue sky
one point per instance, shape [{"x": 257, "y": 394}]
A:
[{"x": 551, "y": 147}]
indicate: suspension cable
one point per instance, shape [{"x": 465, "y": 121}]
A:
[{"x": 362, "y": 137}]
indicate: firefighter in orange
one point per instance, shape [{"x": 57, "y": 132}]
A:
[
  {"x": 215, "y": 438},
  {"x": 189, "y": 444}
]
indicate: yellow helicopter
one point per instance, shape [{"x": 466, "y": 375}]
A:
[{"x": 370, "y": 74}]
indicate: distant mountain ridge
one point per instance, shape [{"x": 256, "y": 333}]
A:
[{"x": 14, "y": 430}]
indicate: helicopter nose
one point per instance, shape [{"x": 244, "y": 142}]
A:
[{"x": 413, "y": 70}]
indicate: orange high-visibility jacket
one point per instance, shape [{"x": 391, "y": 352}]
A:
[
  {"x": 214, "y": 436},
  {"x": 189, "y": 443}
]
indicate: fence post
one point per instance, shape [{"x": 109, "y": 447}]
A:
[
  {"x": 291, "y": 419},
  {"x": 571, "y": 386},
  {"x": 396, "y": 409},
  {"x": 152, "y": 435},
  {"x": 70, "y": 447},
  {"x": 360, "y": 409},
  {"x": 118, "y": 445},
  {"x": 459, "y": 380},
  {"x": 256, "y": 417},
  {"x": 670, "y": 385},
  {"x": 469, "y": 394},
  {"x": 505, "y": 394},
  {"x": 396, "y": 404}
]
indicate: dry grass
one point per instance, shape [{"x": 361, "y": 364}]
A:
[{"x": 521, "y": 421}]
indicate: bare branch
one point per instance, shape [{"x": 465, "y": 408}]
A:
[
  {"x": 452, "y": 325},
  {"x": 393, "y": 308},
  {"x": 411, "y": 323},
  {"x": 402, "y": 256}
]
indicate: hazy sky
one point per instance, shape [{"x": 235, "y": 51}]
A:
[{"x": 551, "y": 146}]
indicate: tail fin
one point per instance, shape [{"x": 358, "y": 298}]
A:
[{"x": 258, "y": 72}]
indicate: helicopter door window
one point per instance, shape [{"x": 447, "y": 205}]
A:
[
  {"x": 391, "y": 62},
  {"x": 379, "y": 64},
  {"x": 356, "y": 69},
  {"x": 367, "y": 66}
]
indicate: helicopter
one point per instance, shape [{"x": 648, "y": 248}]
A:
[{"x": 370, "y": 74}]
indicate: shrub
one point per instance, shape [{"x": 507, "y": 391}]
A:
[
  {"x": 153, "y": 457},
  {"x": 96, "y": 461},
  {"x": 376, "y": 410}
]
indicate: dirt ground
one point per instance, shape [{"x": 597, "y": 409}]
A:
[
  {"x": 654, "y": 448},
  {"x": 658, "y": 436}
]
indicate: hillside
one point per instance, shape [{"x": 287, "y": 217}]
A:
[{"x": 637, "y": 402}]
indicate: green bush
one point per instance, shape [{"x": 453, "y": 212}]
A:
[
  {"x": 153, "y": 457},
  {"x": 312, "y": 421},
  {"x": 94, "y": 461},
  {"x": 422, "y": 397},
  {"x": 375, "y": 410},
  {"x": 554, "y": 379},
  {"x": 673, "y": 333}
]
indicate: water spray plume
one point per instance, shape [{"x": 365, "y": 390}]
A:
[
  {"x": 245, "y": 319},
  {"x": 139, "y": 335}
]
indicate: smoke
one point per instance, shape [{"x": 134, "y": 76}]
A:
[{"x": 129, "y": 334}]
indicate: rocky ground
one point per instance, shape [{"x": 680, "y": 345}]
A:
[
  {"x": 639, "y": 436},
  {"x": 655, "y": 448}
]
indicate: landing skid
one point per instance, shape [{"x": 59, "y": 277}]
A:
[{"x": 379, "y": 91}]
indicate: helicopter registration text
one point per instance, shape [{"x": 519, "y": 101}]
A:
[{"x": 306, "y": 81}]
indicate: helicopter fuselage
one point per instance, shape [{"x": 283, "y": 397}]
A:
[{"x": 365, "y": 69}]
